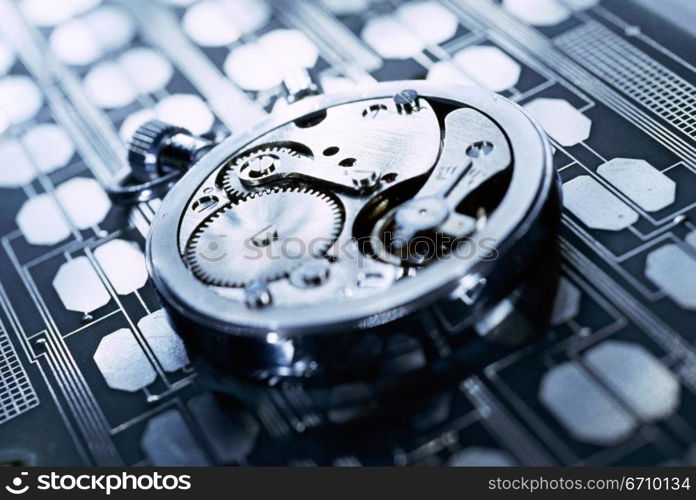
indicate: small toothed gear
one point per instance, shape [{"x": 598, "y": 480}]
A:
[
  {"x": 263, "y": 236},
  {"x": 260, "y": 158}
]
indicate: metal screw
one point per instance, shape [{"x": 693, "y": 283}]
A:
[
  {"x": 479, "y": 148},
  {"x": 256, "y": 295},
  {"x": 310, "y": 274},
  {"x": 260, "y": 166},
  {"x": 265, "y": 236},
  {"x": 407, "y": 101},
  {"x": 364, "y": 178}
]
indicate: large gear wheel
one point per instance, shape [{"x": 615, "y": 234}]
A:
[
  {"x": 263, "y": 236},
  {"x": 260, "y": 159}
]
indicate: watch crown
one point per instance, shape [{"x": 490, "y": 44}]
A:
[{"x": 146, "y": 145}]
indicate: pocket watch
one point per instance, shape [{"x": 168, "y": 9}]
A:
[{"x": 355, "y": 234}]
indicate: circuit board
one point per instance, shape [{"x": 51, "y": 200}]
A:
[{"x": 91, "y": 372}]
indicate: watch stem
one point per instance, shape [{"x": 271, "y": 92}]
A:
[{"x": 300, "y": 83}]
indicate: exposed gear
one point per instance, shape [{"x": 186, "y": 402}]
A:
[
  {"x": 263, "y": 160},
  {"x": 263, "y": 236}
]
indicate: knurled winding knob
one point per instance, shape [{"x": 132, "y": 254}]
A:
[
  {"x": 157, "y": 148},
  {"x": 145, "y": 145}
]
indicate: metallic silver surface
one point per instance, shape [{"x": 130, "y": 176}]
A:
[
  {"x": 307, "y": 145},
  {"x": 343, "y": 145}
]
